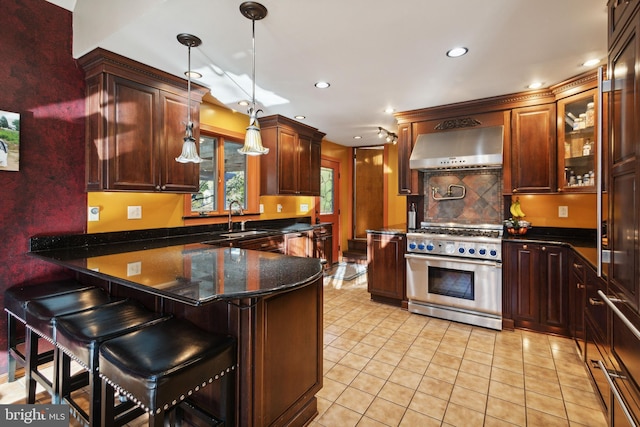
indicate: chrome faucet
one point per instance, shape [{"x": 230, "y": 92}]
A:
[{"x": 231, "y": 210}]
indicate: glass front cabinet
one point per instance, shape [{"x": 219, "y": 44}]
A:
[{"x": 577, "y": 119}]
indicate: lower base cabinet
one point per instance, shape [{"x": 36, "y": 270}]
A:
[
  {"x": 535, "y": 287},
  {"x": 386, "y": 268}
]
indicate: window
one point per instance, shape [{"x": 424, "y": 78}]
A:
[{"x": 225, "y": 176}]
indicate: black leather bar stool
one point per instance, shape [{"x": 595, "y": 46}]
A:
[
  {"x": 15, "y": 304},
  {"x": 41, "y": 315},
  {"x": 80, "y": 335},
  {"x": 158, "y": 367}
]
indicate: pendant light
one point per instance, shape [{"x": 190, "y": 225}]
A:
[
  {"x": 253, "y": 140},
  {"x": 189, "y": 150}
]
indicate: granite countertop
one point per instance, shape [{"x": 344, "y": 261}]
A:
[{"x": 181, "y": 267}]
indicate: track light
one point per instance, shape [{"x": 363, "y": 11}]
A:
[{"x": 390, "y": 137}]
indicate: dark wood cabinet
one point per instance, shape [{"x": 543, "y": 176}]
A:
[
  {"x": 386, "y": 268},
  {"x": 135, "y": 128},
  {"x": 535, "y": 282},
  {"x": 292, "y": 165},
  {"x": 624, "y": 202},
  {"x": 323, "y": 244},
  {"x": 265, "y": 244},
  {"x": 298, "y": 244},
  {"x": 410, "y": 181},
  {"x": 533, "y": 136}
]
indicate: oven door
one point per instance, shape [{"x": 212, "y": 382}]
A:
[{"x": 469, "y": 284}]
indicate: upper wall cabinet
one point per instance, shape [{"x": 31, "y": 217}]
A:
[
  {"x": 533, "y": 149},
  {"x": 136, "y": 118},
  {"x": 292, "y": 166},
  {"x": 409, "y": 181}
]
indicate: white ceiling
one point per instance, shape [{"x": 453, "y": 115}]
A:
[{"x": 375, "y": 53}]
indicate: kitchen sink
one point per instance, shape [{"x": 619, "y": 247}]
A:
[{"x": 240, "y": 234}]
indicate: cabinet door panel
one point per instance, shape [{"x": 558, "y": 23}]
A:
[
  {"x": 525, "y": 303},
  {"x": 533, "y": 137},
  {"x": 287, "y": 160},
  {"x": 132, "y": 131},
  {"x": 304, "y": 164},
  {"x": 386, "y": 266},
  {"x": 177, "y": 177},
  {"x": 556, "y": 308}
]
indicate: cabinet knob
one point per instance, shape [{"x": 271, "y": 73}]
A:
[
  {"x": 580, "y": 286},
  {"x": 158, "y": 187},
  {"x": 594, "y": 301},
  {"x": 544, "y": 248},
  {"x": 559, "y": 189},
  {"x": 525, "y": 246},
  {"x": 164, "y": 187},
  {"x": 515, "y": 190}
]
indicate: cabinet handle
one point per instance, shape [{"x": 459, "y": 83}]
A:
[
  {"x": 515, "y": 190},
  {"x": 158, "y": 187},
  {"x": 594, "y": 301},
  {"x": 576, "y": 265},
  {"x": 580, "y": 286},
  {"x": 264, "y": 245},
  {"x": 164, "y": 187}
]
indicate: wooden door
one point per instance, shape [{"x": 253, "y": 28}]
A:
[
  {"x": 328, "y": 204},
  {"x": 533, "y": 137}
]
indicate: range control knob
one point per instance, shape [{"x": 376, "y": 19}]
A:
[
  {"x": 421, "y": 246},
  {"x": 461, "y": 249},
  {"x": 493, "y": 252},
  {"x": 430, "y": 246},
  {"x": 412, "y": 245},
  {"x": 472, "y": 251},
  {"x": 482, "y": 251},
  {"x": 449, "y": 248}
]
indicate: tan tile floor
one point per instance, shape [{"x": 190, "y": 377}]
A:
[{"x": 384, "y": 366}]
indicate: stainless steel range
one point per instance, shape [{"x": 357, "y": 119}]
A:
[{"x": 454, "y": 272}]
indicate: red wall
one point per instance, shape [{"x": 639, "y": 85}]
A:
[{"x": 40, "y": 80}]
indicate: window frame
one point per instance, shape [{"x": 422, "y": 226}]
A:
[{"x": 252, "y": 179}]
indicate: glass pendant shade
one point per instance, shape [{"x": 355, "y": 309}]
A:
[
  {"x": 252, "y": 139},
  {"x": 189, "y": 150}
]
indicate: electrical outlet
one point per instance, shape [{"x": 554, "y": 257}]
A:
[
  {"x": 563, "y": 211},
  {"x": 134, "y": 268},
  {"x": 134, "y": 212},
  {"x": 279, "y": 207},
  {"x": 93, "y": 213},
  {"x": 261, "y": 208},
  {"x": 304, "y": 207}
]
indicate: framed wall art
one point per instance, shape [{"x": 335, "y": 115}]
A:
[{"x": 9, "y": 141}]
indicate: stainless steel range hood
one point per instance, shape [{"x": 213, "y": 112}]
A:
[{"x": 456, "y": 149}]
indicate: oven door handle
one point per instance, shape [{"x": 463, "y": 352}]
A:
[{"x": 461, "y": 260}]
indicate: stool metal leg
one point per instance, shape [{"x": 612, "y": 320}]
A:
[{"x": 12, "y": 326}]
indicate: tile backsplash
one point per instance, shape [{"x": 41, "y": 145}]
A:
[{"x": 482, "y": 203}]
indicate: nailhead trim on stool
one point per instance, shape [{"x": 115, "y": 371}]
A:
[
  {"x": 80, "y": 335},
  {"x": 161, "y": 365}
]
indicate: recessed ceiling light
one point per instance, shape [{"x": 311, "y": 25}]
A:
[
  {"x": 299, "y": 117},
  {"x": 244, "y": 103},
  {"x": 322, "y": 85},
  {"x": 457, "y": 51},
  {"x": 591, "y": 62},
  {"x": 357, "y": 137},
  {"x": 389, "y": 110},
  {"x": 535, "y": 85},
  {"x": 193, "y": 74}
]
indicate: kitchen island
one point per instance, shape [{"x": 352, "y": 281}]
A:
[{"x": 271, "y": 302}]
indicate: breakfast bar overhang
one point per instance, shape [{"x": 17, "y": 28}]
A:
[{"x": 271, "y": 302}]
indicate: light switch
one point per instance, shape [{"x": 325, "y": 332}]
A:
[
  {"x": 279, "y": 207},
  {"x": 304, "y": 207},
  {"x": 134, "y": 212},
  {"x": 563, "y": 211},
  {"x": 134, "y": 268}
]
